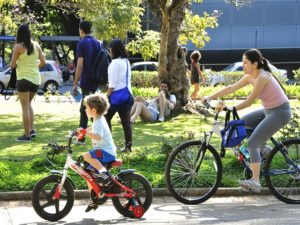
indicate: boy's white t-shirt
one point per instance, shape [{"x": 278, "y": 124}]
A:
[{"x": 106, "y": 142}]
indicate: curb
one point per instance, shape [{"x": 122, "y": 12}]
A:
[{"x": 157, "y": 192}]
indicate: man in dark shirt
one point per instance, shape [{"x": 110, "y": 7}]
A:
[{"x": 87, "y": 49}]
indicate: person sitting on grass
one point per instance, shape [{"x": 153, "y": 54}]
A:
[
  {"x": 104, "y": 149},
  {"x": 157, "y": 108}
]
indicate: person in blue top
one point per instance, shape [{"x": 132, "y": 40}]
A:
[
  {"x": 87, "y": 49},
  {"x": 104, "y": 149}
]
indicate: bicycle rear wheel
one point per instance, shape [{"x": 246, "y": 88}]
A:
[
  {"x": 281, "y": 177},
  {"x": 193, "y": 172}
]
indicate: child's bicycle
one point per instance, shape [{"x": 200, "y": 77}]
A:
[
  {"x": 194, "y": 168},
  {"x": 53, "y": 196}
]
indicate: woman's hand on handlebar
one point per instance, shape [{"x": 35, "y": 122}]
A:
[{"x": 220, "y": 106}]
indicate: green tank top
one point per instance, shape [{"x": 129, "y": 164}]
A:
[{"x": 27, "y": 66}]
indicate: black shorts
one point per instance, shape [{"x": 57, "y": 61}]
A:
[{"x": 26, "y": 86}]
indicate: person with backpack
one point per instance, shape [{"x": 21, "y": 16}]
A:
[
  {"x": 87, "y": 49},
  {"x": 119, "y": 85}
]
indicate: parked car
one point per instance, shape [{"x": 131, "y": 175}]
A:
[
  {"x": 144, "y": 66},
  {"x": 238, "y": 66},
  {"x": 51, "y": 77},
  {"x": 218, "y": 78}
]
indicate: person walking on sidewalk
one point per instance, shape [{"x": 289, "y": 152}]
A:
[
  {"x": 26, "y": 54},
  {"x": 275, "y": 114},
  {"x": 87, "y": 49},
  {"x": 104, "y": 149}
]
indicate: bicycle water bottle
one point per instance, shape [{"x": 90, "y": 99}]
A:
[{"x": 244, "y": 151}]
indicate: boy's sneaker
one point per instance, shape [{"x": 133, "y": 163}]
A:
[
  {"x": 161, "y": 119},
  {"x": 91, "y": 205},
  {"x": 23, "y": 138},
  {"x": 251, "y": 185},
  {"x": 32, "y": 134},
  {"x": 103, "y": 178}
]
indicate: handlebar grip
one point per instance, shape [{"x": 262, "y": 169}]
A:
[{"x": 81, "y": 135}]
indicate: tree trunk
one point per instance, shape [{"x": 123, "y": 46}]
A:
[{"x": 172, "y": 61}]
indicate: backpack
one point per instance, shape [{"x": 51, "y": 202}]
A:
[
  {"x": 234, "y": 131},
  {"x": 100, "y": 67}
]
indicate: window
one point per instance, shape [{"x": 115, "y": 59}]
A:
[{"x": 46, "y": 68}]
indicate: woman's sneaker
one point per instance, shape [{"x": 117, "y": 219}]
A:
[
  {"x": 23, "y": 138},
  {"x": 91, "y": 205},
  {"x": 32, "y": 134},
  {"x": 250, "y": 185}
]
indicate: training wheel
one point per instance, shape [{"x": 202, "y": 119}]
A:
[{"x": 138, "y": 211}]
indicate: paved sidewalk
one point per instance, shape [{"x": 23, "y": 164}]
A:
[{"x": 254, "y": 210}]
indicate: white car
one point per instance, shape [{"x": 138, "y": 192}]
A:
[
  {"x": 144, "y": 66},
  {"x": 238, "y": 66},
  {"x": 51, "y": 77},
  {"x": 217, "y": 78}
]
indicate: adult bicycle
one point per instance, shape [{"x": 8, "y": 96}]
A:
[
  {"x": 194, "y": 168},
  {"x": 53, "y": 196}
]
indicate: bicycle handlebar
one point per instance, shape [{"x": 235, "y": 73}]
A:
[{"x": 209, "y": 106}]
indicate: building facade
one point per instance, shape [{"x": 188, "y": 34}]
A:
[{"x": 273, "y": 26}]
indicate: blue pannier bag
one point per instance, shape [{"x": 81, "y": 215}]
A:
[{"x": 234, "y": 131}]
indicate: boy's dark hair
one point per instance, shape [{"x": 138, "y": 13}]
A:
[
  {"x": 86, "y": 26},
  {"x": 98, "y": 102}
]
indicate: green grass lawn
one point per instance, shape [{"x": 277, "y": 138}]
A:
[{"x": 23, "y": 164}]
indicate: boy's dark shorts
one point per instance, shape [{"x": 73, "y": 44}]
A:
[{"x": 26, "y": 86}]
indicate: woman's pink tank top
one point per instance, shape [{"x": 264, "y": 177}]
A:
[{"x": 272, "y": 95}]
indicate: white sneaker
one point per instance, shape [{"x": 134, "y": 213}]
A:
[
  {"x": 161, "y": 119},
  {"x": 251, "y": 185}
]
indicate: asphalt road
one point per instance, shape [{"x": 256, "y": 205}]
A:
[{"x": 258, "y": 210}]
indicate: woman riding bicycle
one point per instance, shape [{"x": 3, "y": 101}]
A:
[{"x": 275, "y": 114}]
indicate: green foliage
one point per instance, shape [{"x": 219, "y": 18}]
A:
[
  {"x": 112, "y": 18},
  {"x": 293, "y": 128},
  {"x": 146, "y": 44},
  {"x": 145, "y": 92},
  {"x": 194, "y": 28},
  {"x": 170, "y": 142},
  {"x": 297, "y": 74},
  {"x": 144, "y": 79}
]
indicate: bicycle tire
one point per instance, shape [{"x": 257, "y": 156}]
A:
[
  {"x": 140, "y": 185},
  {"x": 184, "y": 183},
  {"x": 42, "y": 198},
  {"x": 285, "y": 185}
]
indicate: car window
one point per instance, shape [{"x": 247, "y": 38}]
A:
[
  {"x": 151, "y": 68},
  {"x": 228, "y": 67},
  {"x": 46, "y": 68},
  {"x": 138, "y": 68},
  {"x": 240, "y": 68}
]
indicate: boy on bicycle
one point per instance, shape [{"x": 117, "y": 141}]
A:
[{"x": 104, "y": 149}]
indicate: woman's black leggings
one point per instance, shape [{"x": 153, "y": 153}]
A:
[{"x": 124, "y": 114}]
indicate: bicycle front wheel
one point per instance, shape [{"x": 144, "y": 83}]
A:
[
  {"x": 282, "y": 178},
  {"x": 193, "y": 172}
]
